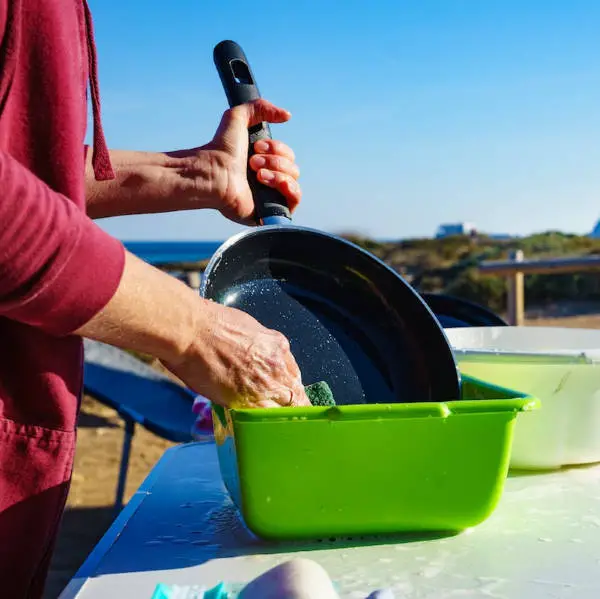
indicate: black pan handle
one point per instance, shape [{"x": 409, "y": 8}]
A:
[{"x": 240, "y": 87}]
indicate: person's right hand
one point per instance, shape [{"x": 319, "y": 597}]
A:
[
  {"x": 234, "y": 361},
  {"x": 221, "y": 353}
]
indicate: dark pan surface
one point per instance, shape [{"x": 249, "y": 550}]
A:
[
  {"x": 456, "y": 312},
  {"x": 351, "y": 320}
]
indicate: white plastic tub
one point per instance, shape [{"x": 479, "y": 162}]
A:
[{"x": 559, "y": 366}]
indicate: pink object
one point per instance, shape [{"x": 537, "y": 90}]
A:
[{"x": 203, "y": 427}]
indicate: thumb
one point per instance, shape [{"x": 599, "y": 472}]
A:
[
  {"x": 232, "y": 133},
  {"x": 258, "y": 111}
]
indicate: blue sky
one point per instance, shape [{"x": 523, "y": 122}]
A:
[{"x": 406, "y": 113}]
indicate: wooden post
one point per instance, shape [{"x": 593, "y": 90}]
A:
[
  {"x": 193, "y": 277},
  {"x": 516, "y": 292}
]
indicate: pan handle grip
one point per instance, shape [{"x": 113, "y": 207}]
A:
[{"x": 270, "y": 206}]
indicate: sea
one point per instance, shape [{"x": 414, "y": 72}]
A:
[{"x": 165, "y": 252}]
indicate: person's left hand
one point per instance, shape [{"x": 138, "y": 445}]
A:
[{"x": 227, "y": 159}]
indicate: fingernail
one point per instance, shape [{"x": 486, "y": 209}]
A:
[
  {"x": 259, "y": 161},
  {"x": 267, "y": 175},
  {"x": 261, "y": 146}
]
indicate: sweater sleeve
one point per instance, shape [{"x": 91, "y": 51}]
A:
[{"x": 57, "y": 267}]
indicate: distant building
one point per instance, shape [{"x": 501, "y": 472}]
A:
[{"x": 455, "y": 229}]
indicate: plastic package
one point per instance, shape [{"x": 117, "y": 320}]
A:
[{"x": 175, "y": 591}]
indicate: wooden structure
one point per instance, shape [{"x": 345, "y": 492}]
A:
[{"x": 516, "y": 267}]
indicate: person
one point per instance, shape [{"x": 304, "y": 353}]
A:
[{"x": 62, "y": 277}]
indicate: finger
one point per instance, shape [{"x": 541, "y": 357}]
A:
[
  {"x": 291, "y": 398},
  {"x": 273, "y": 146},
  {"x": 260, "y": 110},
  {"x": 298, "y": 392},
  {"x": 235, "y": 122},
  {"x": 294, "y": 376},
  {"x": 275, "y": 163},
  {"x": 257, "y": 111},
  {"x": 285, "y": 184},
  {"x": 267, "y": 403},
  {"x": 300, "y": 398}
]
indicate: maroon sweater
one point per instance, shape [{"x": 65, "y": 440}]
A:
[{"x": 57, "y": 269}]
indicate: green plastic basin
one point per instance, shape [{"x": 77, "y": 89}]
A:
[{"x": 298, "y": 473}]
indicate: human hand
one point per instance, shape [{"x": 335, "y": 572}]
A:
[
  {"x": 236, "y": 362},
  {"x": 224, "y": 162},
  {"x": 273, "y": 161}
]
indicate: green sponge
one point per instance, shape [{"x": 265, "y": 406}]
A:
[{"x": 320, "y": 394}]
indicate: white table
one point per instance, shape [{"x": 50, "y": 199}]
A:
[{"x": 543, "y": 541}]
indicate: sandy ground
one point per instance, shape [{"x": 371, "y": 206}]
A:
[
  {"x": 588, "y": 321},
  {"x": 90, "y": 505},
  {"x": 89, "y": 511}
]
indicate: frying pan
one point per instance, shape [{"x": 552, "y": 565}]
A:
[
  {"x": 350, "y": 319},
  {"x": 453, "y": 312}
]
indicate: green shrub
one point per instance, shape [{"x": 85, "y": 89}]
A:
[{"x": 485, "y": 290}]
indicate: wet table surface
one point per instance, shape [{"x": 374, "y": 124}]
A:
[{"x": 543, "y": 541}]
